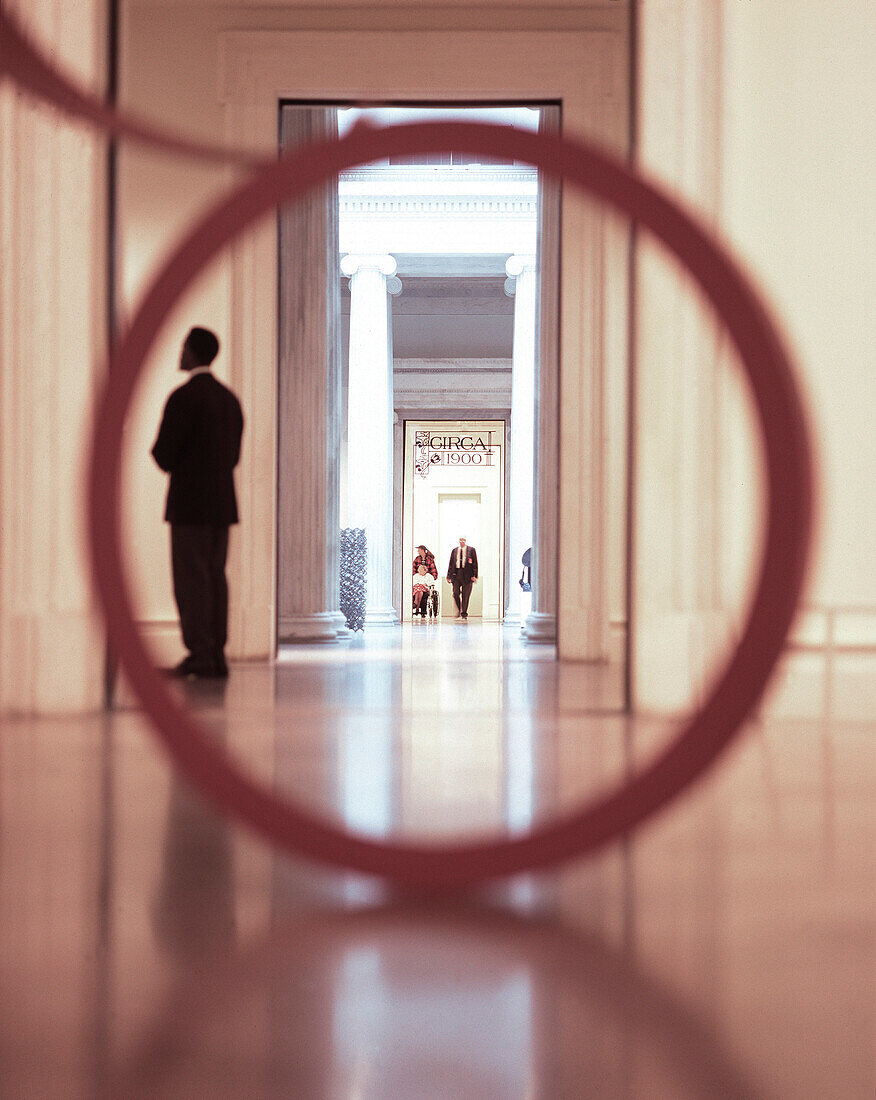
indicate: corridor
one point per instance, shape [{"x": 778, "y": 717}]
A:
[{"x": 152, "y": 948}]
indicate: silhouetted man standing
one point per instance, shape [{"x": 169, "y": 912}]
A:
[
  {"x": 462, "y": 572},
  {"x": 198, "y": 444}
]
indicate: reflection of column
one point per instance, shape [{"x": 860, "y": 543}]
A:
[
  {"x": 308, "y": 521},
  {"x": 369, "y": 448},
  {"x": 521, "y": 282},
  {"x": 541, "y": 625}
]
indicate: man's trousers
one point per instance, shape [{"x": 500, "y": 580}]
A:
[
  {"x": 198, "y": 555},
  {"x": 461, "y": 594}
]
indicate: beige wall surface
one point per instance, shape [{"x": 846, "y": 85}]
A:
[
  {"x": 756, "y": 115},
  {"x": 799, "y": 106},
  {"x": 168, "y": 72},
  {"x": 797, "y": 182}
]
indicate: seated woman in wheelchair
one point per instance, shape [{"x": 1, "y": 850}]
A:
[{"x": 423, "y": 589}]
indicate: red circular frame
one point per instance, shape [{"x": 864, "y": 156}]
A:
[
  {"x": 789, "y": 484},
  {"x": 28, "y": 66}
]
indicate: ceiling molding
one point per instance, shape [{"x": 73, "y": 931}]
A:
[
  {"x": 440, "y": 175},
  {"x": 461, "y": 365},
  {"x": 442, "y": 206}
]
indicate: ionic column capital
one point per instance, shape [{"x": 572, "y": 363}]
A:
[
  {"x": 519, "y": 263},
  {"x": 515, "y": 267},
  {"x": 353, "y": 263}
]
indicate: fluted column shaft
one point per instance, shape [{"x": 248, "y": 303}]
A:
[
  {"x": 310, "y": 402},
  {"x": 521, "y": 277},
  {"x": 369, "y": 448}
]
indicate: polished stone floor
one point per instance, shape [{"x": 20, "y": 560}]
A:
[{"x": 151, "y": 948}]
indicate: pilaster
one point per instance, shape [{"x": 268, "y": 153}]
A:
[
  {"x": 677, "y": 619},
  {"x": 310, "y": 400},
  {"x": 52, "y": 340}
]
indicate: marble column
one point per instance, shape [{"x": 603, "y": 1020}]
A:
[
  {"x": 310, "y": 402},
  {"x": 521, "y": 283},
  {"x": 541, "y": 624},
  {"x": 370, "y": 413},
  {"x": 53, "y": 331}
]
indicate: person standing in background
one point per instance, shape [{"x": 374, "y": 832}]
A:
[
  {"x": 198, "y": 444},
  {"x": 427, "y": 558},
  {"x": 462, "y": 573}
]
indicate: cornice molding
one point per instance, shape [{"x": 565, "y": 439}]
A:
[
  {"x": 439, "y": 204},
  {"x": 439, "y": 366},
  {"x": 440, "y": 174}
]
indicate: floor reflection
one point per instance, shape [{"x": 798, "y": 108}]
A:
[
  {"x": 438, "y": 732},
  {"x": 152, "y": 948},
  {"x": 456, "y": 1001}
]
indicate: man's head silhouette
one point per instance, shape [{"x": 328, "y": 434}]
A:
[{"x": 199, "y": 350}]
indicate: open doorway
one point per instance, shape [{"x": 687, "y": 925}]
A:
[
  {"x": 435, "y": 285},
  {"x": 454, "y": 486},
  {"x": 343, "y": 301}
]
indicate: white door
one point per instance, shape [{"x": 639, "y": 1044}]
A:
[{"x": 459, "y": 514}]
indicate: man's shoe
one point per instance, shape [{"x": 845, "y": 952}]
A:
[
  {"x": 201, "y": 672},
  {"x": 221, "y": 670},
  {"x": 179, "y": 671},
  {"x": 189, "y": 669}
]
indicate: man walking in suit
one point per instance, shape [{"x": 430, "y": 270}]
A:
[
  {"x": 462, "y": 572},
  {"x": 198, "y": 444}
]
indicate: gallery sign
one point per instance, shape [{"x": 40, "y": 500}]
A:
[{"x": 453, "y": 449}]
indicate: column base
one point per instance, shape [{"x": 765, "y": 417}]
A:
[
  {"x": 381, "y": 616},
  {"x": 321, "y": 626},
  {"x": 518, "y": 609},
  {"x": 540, "y": 627}
]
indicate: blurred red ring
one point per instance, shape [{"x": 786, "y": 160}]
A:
[
  {"x": 783, "y": 562},
  {"x": 28, "y": 66}
]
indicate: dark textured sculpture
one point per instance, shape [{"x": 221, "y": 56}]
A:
[{"x": 354, "y": 583}]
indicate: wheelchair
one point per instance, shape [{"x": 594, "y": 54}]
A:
[{"x": 430, "y": 605}]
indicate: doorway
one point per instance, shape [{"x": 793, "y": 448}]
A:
[
  {"x": 430, "y": 266},
  {"x": 582, "y": 72},
  {"x": 457, "y": 513},
  {"x": 460, "y": 512},
  {"x": 573, "y": 507},
  {"x": 454, "y": 485}
]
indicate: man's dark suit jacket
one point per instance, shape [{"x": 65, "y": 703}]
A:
[
  {"x": 469, "y": 564},
  {"x": 198, "y": 444}
]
